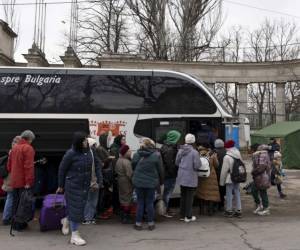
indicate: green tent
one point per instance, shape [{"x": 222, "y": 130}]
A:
[{"x": 288, "y": 134}]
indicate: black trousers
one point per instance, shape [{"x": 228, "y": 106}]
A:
[
  {"x": 186, "y": 201},
  {"x": 222, "y": 191}
]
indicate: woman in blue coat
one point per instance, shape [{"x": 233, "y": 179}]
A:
[{"x": 74, "y": 178}]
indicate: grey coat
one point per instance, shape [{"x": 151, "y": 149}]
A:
[
  {"x": 188, "y": 159},
  {"x": 124, "y": 172}
]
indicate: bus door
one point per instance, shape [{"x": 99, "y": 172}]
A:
[
  {"x": 161, "y": 127},
  {"x": 206, "y": 130}
]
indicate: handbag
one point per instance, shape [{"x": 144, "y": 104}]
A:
[
  {"x": 160, "y": 206},
  {"x": 94, "y": 185}
]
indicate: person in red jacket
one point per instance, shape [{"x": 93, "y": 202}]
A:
[{"x": 21, "y": 168}]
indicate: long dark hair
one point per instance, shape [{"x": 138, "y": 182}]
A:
[{"x": 78, "y": 139}]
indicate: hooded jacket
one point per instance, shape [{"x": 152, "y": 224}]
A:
[
  {"x": 188, "y": 160},
  {"x": 115, "y": 147},
  {"x": 228, "y": 162},
  {"x": 148, "y": 171},
  {"x": 168, "y": 153}
]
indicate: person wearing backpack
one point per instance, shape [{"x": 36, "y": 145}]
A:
[
  {"x": 188, "y": 161},
  {"x": 261, "y": 174},
  {"x": 208, "y": 187},
  {"x": 232, "y": 188},
  {"x": 7, "y": 211}
]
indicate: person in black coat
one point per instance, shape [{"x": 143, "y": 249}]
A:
[
  {"x": 74, "y": 178},
  {"x": 221, "y": 152},
  {"x": 168, "y": 153}
]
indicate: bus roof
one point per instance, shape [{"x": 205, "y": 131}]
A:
[{"x": 105, "y": 71}]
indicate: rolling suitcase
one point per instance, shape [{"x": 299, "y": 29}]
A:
[{"x": 53, "y": 210}]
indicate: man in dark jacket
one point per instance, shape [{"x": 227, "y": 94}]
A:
[
  {"x": 168, "y": 153},
  {"x": 21, "y": 168},
  {"x": 273, "y": 146},
  {"x": 114, "y": 151}
]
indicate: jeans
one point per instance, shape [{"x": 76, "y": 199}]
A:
[
  {"x": 262, "y": 193},
  {"x": 169, "y": 185},
  {"x": 74, "y": 226},
  {"x": 7, "y": 211},
  {"x": 233, "y": 187},
  {"x": 91, "y": 205},
  {"x": 145, "y": 198},
  {"x": 186, "y": 201}
]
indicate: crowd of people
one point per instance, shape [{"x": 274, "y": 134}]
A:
[{"x": 98, "y": 180}]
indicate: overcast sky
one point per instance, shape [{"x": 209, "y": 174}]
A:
[{"x": 58, "y": 21}]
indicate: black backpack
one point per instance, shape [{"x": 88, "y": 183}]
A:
[
  {"x": 3, "y": 167},
  {"x": 238, "y": 173}
]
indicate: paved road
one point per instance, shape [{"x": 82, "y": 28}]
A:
[{"x": 279, "y": 231}]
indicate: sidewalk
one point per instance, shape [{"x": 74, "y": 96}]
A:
[{"x": 279, "y": 231}]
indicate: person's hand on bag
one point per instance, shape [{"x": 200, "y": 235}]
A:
[{"x": 59, "y": 190}]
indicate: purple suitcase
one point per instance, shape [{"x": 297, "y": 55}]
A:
[{"x": 53, "y": 210}]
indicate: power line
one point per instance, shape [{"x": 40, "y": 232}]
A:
[
  {"x": 262, "y": 9},
  {"x": 51, "y": 3}
]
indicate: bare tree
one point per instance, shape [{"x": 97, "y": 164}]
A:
[
  {"x": 9, "y": 12},
  {"x": 196, "y": 22},
  {"x": 292, "y": 92},
  {"x": 11, "y": 18},
  {"x": 228, "y": 94},
  {"x": 102, "y": 28},
  {"x": 153, "y": 34}
]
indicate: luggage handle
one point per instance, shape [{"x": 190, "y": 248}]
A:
[{"x": 57, "y": 205}]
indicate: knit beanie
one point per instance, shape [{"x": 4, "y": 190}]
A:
[
  {"x": 219, "y": 143},
  {"x": 173, "y": 136},
  {"x": 189, "y": 139},
  {"x": 123, "y": 150},
  {"x": 229, "y": 144}
]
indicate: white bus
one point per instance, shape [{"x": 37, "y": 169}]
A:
[{"x": 55, "y": 102}]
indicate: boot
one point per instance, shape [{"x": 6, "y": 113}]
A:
[{"x": 76, "y": 239}]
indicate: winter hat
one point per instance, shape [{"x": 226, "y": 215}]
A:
[
  {"x": 173, "y": 136},
  {"x": 28, "y": 135},
  {"x": 219, "y": 143},
  {"x": 229, "y": 144},
  {"x": 189, "y": 139},
  {"x": 123, "y": 150},
  {"x": 91, "y": 141},
  {"x": 277, "y": 155}
]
